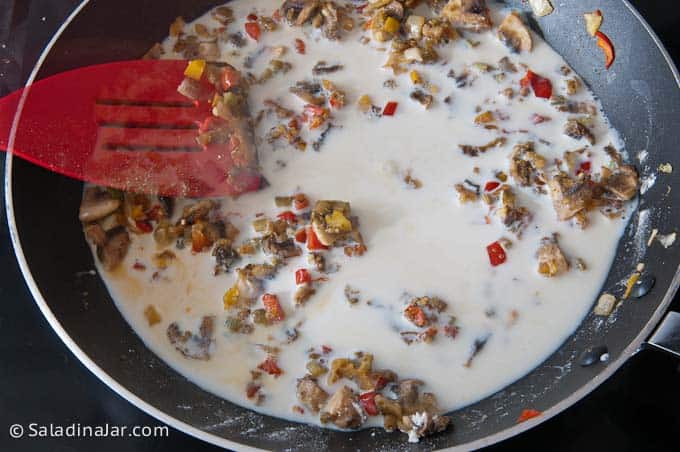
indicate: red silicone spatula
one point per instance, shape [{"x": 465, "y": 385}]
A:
[{"x": 123, "y": 125}]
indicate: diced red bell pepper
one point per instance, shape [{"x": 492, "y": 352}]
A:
[
  {"x": 230, "y": 78},
  {"x": 301, "y": 236},
  {"x": 496, "y": 253},
  {"x": 287, "y": 216},
  {"x": 300, "y": 201},
  {"x": 253, "y": 30},
  {"x": 380, "y": 382},
  {"x": 541, "y": 86},
  {"x": 302, "y": 276},
  {"x": 154, "y": 213},
  {"x": 538, "y": 119},
  {"x": 300, "y": 46},
  {"x": 314, "y": 110},
  {"x": 528, "y": 414},
  {"x": 273, "y": 307},
  {"x": 276, "y": 15},
  {"x": 390, "y": 108},
  {"x": 270, "y": 366},
  {"x": 415, "y": 315},
  {"x": 198, "y": 240},
  {"x": 212, "y": 123},
  {"x": 313, "y": 242},
  {"x": 451, "y": 331},
  {"x": 144, "y": 226},
  {"x": 584, "y": 167},
  {"x": 491, "y": 185},
  {"x": 252, "y": 389},
  {"x": 139, "y": 266},
  {"x": 367, "y": 401},
  {"x": 251, "y": 17},
  {"x": 607, "y": 47}
]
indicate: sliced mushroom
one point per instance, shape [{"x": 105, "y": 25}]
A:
[
  {"x": 331, "y": 24},
  {"x": 470, "y": 15},
  {"x": 578, "y": 131},
  {"x": 309, "y": 9},
  {"x": 514, "y": 33},
  {"x": 96, "y": 204},
  {"x": 284, "y": 249},
  {"x": 114, "y": 248},
  {"x": 309, "y": 92},
  {"x": 525, "y": 162},
  {"x": 96, "y": 234},
  {"x": 342, "y": 409},
  {"x": 570, "y": 196},
  {"x": 551, "y": 260},
  {"x": 310, "y": 394},
  {"x": 331, "y": 221},
  {"x": 623, "y": 183},
  {"x": 192, "y": 345}
]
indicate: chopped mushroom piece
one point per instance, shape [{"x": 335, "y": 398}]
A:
[
  {"x": 114, "y": 249},
  {"x": 513, "y": 217},
  {"x": 96, "y": 234},
  {"x": 577, "y": 131},
  {"x": 342, "y": 409},
  {"x": 525, "y": 163},
  {"x": 331, "y": 221},
  {"x": 570, "y": 196},
  {"x": 422, "y": 424},
  {"x": 470, "y": 15},
  {"x": 97, "y": 203},
  {"x": 310, "y": 394},
  {"x": 562, "y": 104},
  {"x": 474, "y": 151},
  {"x": 514, "y": 33},
  {"x": 551, "y": 260},
  {"x": 191, "y": 345},
  {"x": 465, "y": 194},
  {"x": 297, "y": 12},
  {"x": 308, "y": 92},
  {"x": 623, "y": 183}
]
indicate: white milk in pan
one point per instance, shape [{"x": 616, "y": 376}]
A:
[{"x": 420, "y": 241}]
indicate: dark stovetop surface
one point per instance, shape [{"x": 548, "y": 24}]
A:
[{"x": 42, "y": 382}]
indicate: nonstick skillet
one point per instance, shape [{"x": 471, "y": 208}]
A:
[{"x": 641, "y": 95}]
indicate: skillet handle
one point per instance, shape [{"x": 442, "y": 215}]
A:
[{"x": 667, "y": 335}]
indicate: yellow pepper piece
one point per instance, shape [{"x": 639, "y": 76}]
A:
[
  {"x": 338, "y": 221},
  {"x": 364, "y": 103},
  {"x": 231, "y": 297},
  {"x": 484, "y": 118},
  {"x": 152, "y": 315},
  {"x": 630, "y": 284},
  {"x": 195, "y": 69},
  {"x": 137, "y": 212},
  {"x": 391, "y": 25},
  {"x": 415, "y": 77}
]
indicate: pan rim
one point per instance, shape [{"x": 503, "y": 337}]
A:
[{"x": 595, "y": 382}]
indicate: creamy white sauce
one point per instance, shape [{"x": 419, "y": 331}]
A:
[{"x": 420, "y": 242}]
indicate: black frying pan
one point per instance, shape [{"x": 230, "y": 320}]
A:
[{"x": 641, "y": 96}]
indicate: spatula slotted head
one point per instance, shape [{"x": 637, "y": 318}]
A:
[{"x": 122, "y": 125}]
